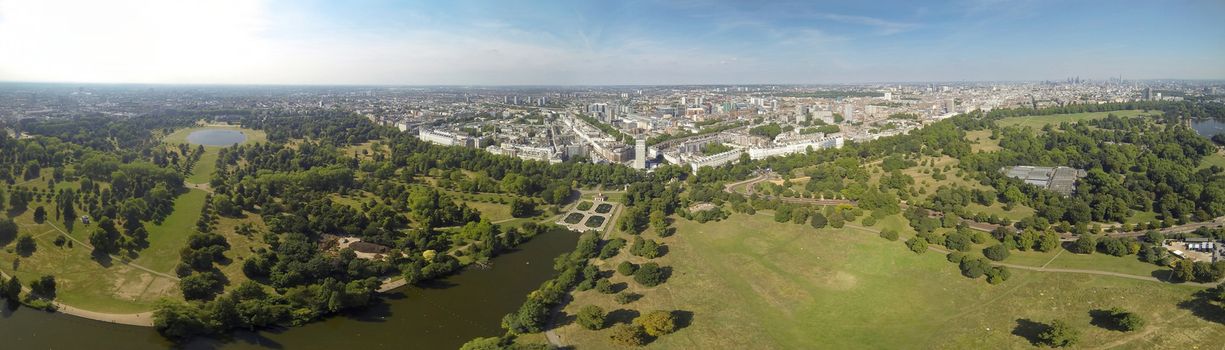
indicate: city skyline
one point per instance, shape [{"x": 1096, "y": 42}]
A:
[{"x": 562, "y": 43}]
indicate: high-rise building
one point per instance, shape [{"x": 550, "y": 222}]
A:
[
  {"x": 848, "y": 111},
  {"x": 640, "y": 153},
  {"x": 684, "y": 101},
  {"x": 888, "y": 96},
  {"x": 1148, "y": 93},
  {"x": 950, "y": 106}
]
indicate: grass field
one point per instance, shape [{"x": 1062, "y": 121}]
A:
[
  {"x": 753, "y": 283},
  {"x": 1037, "y": 122},
  {"x": 1217, "y": 159},
  {"x": 166, "y": 239},
  {"x": 982, "y": 141}
]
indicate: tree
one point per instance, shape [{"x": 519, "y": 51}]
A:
[
  {"x": 40, "y": 214},
  {"x": 998, "y": 274},
  {"x": 1183, "y": 270},
  {"x": 11, "y": 289},
  {"x": 657, "y": 323},
  {"x": 180, "y": 321},
  {"x": 200, "y": 285},
  {"x": 917, "y": 245},
  {"x": 8, "y": 231},
  {"x": 649, "y": 274},
  {"x": 997, "y": 252},
  {"x": 628, "y": 335},
  {"x": 1047, "y": 241},
  {"x": 591, "y": 317},
  {"x": 522, "y": 208},
  {"x": 1084, "y": 245},
  {"x": 1114, "y": 246},
  {"x": 818, "y": 221},
  {"x": 26, "y": 245},
  {"x": 1059, "y": 334},
  {"x": 1125, "y": 320},
  {"x": 626, "y": 268},
  {"x": 487, "y": 343},
  {"x": 44, "y": 287}
]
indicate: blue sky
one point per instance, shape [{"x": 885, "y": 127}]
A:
[{"x": 606, "y": 42}]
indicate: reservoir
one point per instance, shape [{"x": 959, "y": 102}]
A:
[
  {"x": 1208, "y": 127},
  {"x": 216, "y": 137},
  {"x": 441, "y": 315}
]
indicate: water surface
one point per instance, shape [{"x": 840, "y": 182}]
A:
[
  {"x": 216, "y": 137},
  {"x": 442, "y": 315}
]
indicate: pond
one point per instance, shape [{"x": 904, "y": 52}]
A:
[
  {"x": 216, "y": 137},
  {"x": 442, "y": 315},
  {"x": 1208, "y": 127}
]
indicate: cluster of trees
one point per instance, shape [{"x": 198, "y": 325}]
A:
[
  {"x": 250, "y": 306},
  {"x": 644, "y": 328},
  {"x": 977, "y": 267}
]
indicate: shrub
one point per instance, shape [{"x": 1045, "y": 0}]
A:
[
  {"x": 997, "y": 252},
  {"x": 626, "y": 297},
  {"x": 626, "y": 268},
  {"x": 888, "y": 234},
  {"x": 657, "y": 323},
  {"x": 628, "y": 335},
  {"x": 1059, "y": 334}
]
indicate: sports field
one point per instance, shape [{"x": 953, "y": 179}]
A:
[{"x": 752, "y": 283}]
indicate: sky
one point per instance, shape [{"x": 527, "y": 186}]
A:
[{"x": 570, "y": 42}]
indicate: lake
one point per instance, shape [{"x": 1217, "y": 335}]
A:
[
  {"x": 216, "y": 137},
  {"x": 1208, "y": 127},
  {"x": 442, "y": 315}
]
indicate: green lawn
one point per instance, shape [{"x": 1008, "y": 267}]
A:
[
  {"x": 1037, "y": 122},
  {"x": 981, "y": 141},
  {"x": 491, "y": 211},
  {"x": 1217, "y": 159},
  {"x": 753, "y": 283},
  {"x": 166, "y": 239},
  {"x": 1127, "y": 264}
]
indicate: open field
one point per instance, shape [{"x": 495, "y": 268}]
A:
[
  {"x": 166, "y": 239},
  {"x": 981, "y": 141},
  {"x": 112, "y": 286},
  {"x": 1217, "y": 159},
  {"x": 1037, "y": 122},
  {"x": 753, "y": 283}
]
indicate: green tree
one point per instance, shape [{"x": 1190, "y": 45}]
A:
[
  {"x": 649, "y": 274},
  {"x": 40, "y": 215},
  {"x": 1125, "y": 320},
  {"x": 1059, "y": 334},
  {"x": 818, "y": 221},
  {"x": 626, "y": 268},
  {"x": 917, "y": 245},
  {"x": 26, "y": 245},
  {"x": 522, "y": 208},
  {"x": 1085, "y": 244},
  {"x": 591, "y": 317},
  {"x": 997, "y": 252},
  {"x": 1047, "y": 241}
]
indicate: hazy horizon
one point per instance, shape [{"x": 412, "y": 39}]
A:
[{"x": 558, "y": 43}]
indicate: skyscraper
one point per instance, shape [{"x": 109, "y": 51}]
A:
[
  {"x": 640, "y": 153},
  {"x": 847, "y": 112}
]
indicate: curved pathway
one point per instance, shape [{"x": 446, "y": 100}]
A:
[{"x": 143, "y": 319}]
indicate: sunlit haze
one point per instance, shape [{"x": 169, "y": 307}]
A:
[{"x": 565, "y": 42}]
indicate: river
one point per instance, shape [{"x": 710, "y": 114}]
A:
[{"x": 442, "y": 315}]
